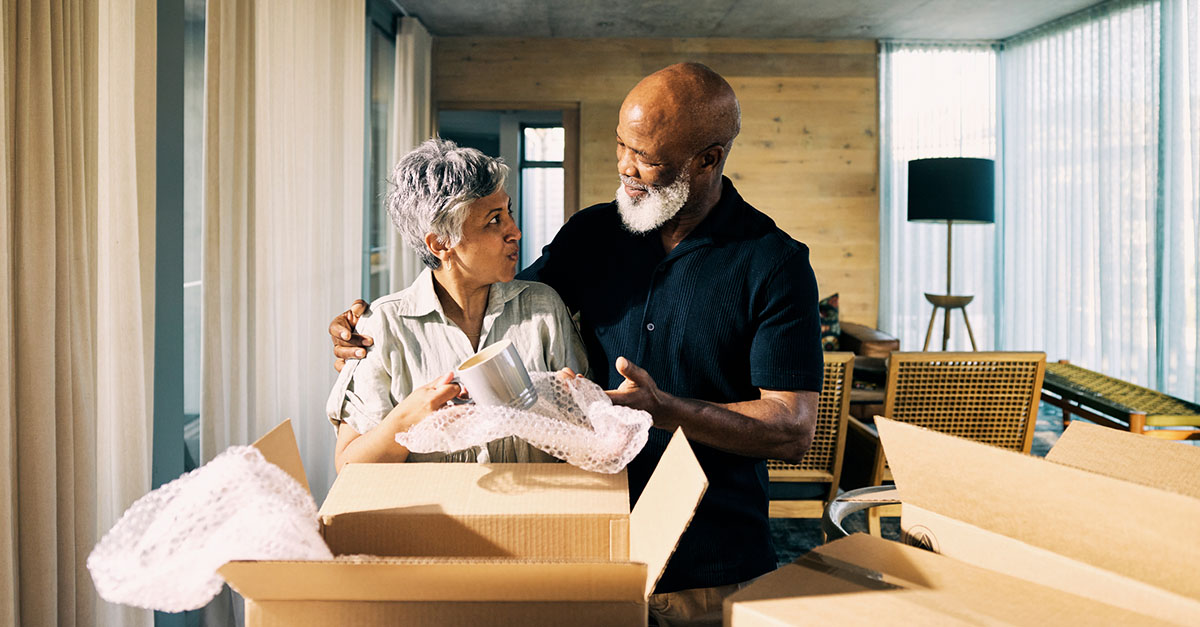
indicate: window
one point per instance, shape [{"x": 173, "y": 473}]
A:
[
  {"x": 380, "y": 97},
  {"x": 533, "y": 143},
  {"x": 541, "y": 172},
  {"x": 193, "y": 213},
  {"x": 1093, "y": 255}
]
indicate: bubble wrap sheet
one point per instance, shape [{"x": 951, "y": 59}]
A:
[
  {"x": 573, "y": 420},
  {"x": 164, "y": 552}
]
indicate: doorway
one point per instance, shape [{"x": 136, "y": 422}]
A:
[{"x": 540, "y": 147}]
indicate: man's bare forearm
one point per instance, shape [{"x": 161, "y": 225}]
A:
[{"x": 770, "y": 427}]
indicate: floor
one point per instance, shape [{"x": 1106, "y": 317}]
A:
[{"x": 795, "y": 537}]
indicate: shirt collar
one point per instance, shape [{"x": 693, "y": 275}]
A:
[
  {"x": 720, "y": 223},
  {"x": 503, "y": 292},
  {"x": 420, "y": 299}
]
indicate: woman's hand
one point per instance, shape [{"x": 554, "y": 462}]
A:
[
  {"x": 423, "y": 401},
  {"x": 379, "y": 444}
]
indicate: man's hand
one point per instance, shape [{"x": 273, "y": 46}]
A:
[
  {"x": 777, "y": 425},
  {"x": 346, "y": 343},
  {"x": 638, "y": 390}
]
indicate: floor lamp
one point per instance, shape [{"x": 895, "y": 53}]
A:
[{"x": 956, "y": 190}]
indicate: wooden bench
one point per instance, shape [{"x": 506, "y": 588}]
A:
[{"x": 1118, "y": 404}]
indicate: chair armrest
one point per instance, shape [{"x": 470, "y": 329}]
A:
[{"x": 866, "y": 341}]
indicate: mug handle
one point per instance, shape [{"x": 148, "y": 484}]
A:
[{"x": 460, "y": 400}]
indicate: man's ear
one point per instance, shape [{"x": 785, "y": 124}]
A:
[
  {"x": 435, "y": 245},
  {"x": 712, "y": 157}
]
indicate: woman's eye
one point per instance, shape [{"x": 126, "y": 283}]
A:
[{"x": 495, "y": 220}]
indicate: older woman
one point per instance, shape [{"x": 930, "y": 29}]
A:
[{"x": 449, "y": 204}]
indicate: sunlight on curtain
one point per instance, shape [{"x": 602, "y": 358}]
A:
[
  {"x": 413, "y": 125},
  {"x": 307, "y": 219},
  {"x": 227, "y": 281},
  {"x": 282, "y": 217},
  {"x": 936, "y": 100},
  {"x": 1179, "y": 353},
  {"x": 127, "y": 213},
  {"x": 1080, "y": 105}
]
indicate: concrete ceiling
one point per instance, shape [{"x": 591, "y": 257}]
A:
[{"x": 806, "y": 19}]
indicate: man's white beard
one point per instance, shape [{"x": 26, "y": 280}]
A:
[{"x": 651, "y": 211}]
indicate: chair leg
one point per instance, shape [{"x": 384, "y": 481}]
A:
[{"x": 873, "y": 522}]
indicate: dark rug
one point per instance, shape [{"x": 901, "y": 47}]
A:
[{"x": 794, "y": 537}]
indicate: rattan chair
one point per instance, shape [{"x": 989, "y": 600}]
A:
[
  {"x": 989, "y": 397},
  {"x": 803, "y": 490}
]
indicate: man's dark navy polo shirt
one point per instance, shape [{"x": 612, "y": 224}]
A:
[{"x": 733, "y": 308}]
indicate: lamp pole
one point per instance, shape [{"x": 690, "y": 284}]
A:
[{"x": 949, "y": 244}]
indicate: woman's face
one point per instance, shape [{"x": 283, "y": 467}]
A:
[{"x": 489, "y": 247}]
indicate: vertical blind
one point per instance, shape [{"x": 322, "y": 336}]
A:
[
  {"x": 1080, "y": 134},
  {"x": 936, "y": 100},
  {"x": 1097, "y": 135}
]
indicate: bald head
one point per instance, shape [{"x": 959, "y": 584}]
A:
[
  {"x": 691, "y": 102},
  {"x": 675, "y": 129}
]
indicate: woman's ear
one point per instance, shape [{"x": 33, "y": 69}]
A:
[{"x": 435, "y": 245}]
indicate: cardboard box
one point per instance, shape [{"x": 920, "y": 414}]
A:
[
  {"x": 864, "y": 580},
  {"x": 1109, "y": 521},
  {"x": 497, "y": 544}
]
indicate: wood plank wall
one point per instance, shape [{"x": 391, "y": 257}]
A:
[{"x": 808, "y": 153}]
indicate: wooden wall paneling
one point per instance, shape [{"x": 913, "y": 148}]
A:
[{"x": 808, "y": 154}]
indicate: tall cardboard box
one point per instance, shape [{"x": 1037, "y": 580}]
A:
[
  {"x": 496, "y": 544},
  {"x": 1110, "y": 521}
]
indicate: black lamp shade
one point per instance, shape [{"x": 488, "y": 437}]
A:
[{"x": 958, "y": 189}]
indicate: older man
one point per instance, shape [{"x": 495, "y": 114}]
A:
[{"x": 705, "y": 313}]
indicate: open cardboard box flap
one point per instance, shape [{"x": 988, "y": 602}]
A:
[
  {"x": 1147, "y": 461},
  {"x": 864, "y": 580},
  {"x": 657, "y": 522},
  {"x": 1053, "y": 524}
]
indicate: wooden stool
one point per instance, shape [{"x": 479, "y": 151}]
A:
[{"x": 949, "y": 303}]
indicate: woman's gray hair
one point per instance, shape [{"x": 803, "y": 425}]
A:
[{"x": 431, "y": 188}]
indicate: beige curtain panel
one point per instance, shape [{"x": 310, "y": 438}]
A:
[
  {"x": 282, "y": 236},
  {"x": 47, "y": 300},
  {"x": 76, "y": 139}
]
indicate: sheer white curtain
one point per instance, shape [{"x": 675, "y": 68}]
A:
[
  {"x": 1080, "y": 117},
  {"x": 308, "y": 174},
  {"x": 413, "y": 124},
  {"x": 1179, "y": 203},
  {"x": 936, "y": 100},
  {"x": 283, "y": 216},
  {"x": 126, "y": 178},
  {"x": 227, "y": 275},
  {"x": 1098, "y": 224}
]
